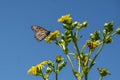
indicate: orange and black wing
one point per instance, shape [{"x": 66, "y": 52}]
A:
[{"x": 40, "y": 33}]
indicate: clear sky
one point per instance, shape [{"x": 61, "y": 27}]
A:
[{"x": 19, "y": 50}]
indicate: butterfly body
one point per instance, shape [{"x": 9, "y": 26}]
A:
[{"x": 40, "y": 33}]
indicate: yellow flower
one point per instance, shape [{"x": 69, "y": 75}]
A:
[
  {"x": 40, "y": 66},
  {"x": 52, "y": 36},
  {"x": 65, "y": 19},
  {"x": 93, "y": 44},
  {"x": 44, "y": 62},
  {"x": 35, "y": 70},
  {"x": 32, "y": 70}
]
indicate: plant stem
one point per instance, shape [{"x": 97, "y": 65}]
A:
[
  {"x": 113, "y": 34},
  {"x": 75, "y": 43},
  {"x": 68, "y": 57},
  {"x": 57, "y": 72},
  {"x": 56, "y": 76},
  {"x": 100, "y": 78},
  {"x": 77, "y": 49},
  {"x": 89, "y": 54},
  {"x": 78, "y": 65},
  {"x": 98, "y": 52},
  {"x": 86, "y": 76},
  {"x": 76, "y": 33}
]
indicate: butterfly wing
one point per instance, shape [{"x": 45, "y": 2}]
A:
[{"x": 40, "y": 33}]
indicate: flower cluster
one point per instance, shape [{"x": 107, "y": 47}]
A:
[
  {"x": 85, "y": 58},
  {"x": 52, "y": 36}
]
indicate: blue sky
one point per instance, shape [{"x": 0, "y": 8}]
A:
[{"x": 19, "y": 50}]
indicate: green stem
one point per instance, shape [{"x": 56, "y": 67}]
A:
[
  {"x": 43, "y": 76},
  {"x": 56, "y": 76},
  {"x": 101, "y": 77},
  {"x": 86, "y": 76},
  {"x": 77, "y": 49},
  {"x": 98, "y": 52},
  {"x": 113, "y": 34},
  {"x": 75, "y": 43},
  {"x": 57, "y": 72},
  {"x": 76, "y": 33},
  {"x": 83, "y": 47},
  {"x": 89, "y": 54},
  {"x": 68, "y": 57},
  {"x": 78, "y": 65}
]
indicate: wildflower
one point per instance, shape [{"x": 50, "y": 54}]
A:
[
  {"x": 52, "y": 36},
  {"x": 33, "y": 70},
  {"x": 36, "y": 70},
  {"x": 40, "y": 66},
  {"x": 44, "y": 62},
  {"x": 93, "y": 44},
  {"x": 65, "y": 19}
]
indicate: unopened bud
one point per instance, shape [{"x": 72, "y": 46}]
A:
[{"x": 118, "y": 31}]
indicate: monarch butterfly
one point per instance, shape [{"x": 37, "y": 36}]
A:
[{"x": 40, "y": 33}]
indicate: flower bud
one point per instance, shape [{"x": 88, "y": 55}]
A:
[
  {"x": 50, "y": 63},
  {"x": 79, "y": 26},
  {"x": 67, "y": 32},
  {"x": 103, "y": 71},
  {"x": 118, "y": 31},
  {"x": 48, "y": 70},
  {"x": 85, "y": 23},
  {"x": 61, "y": 65},
  {"x": 107, "y": 39},
  {"x": 66, "y": 26},
  {"x": 74, "y": 23},
  {"x": 59, "y": 59},
  {"x": 109, "y": 27},
  {"x": 95, "y": 36}
]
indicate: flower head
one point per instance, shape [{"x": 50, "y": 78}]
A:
[
  {"x": 36, "y": 70},
  {"x": 40, "y": 65},
  {"x": 33, "y": 70},
  {"x": 93, "y": 44},
  {"x": 52, "y": 36},
  {"x": 65, "y": 19}
]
